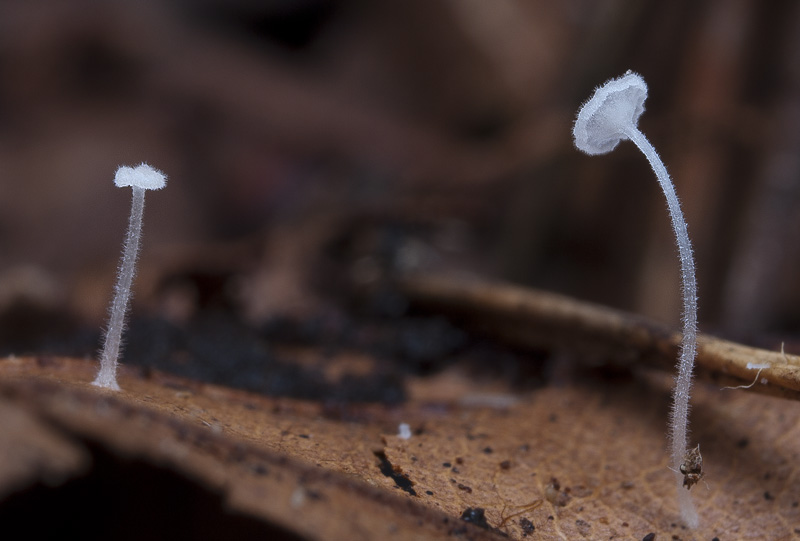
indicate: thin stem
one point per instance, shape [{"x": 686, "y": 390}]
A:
[
  {"x": 107, "y": 377},
  {"x": 679, "y": 419}
]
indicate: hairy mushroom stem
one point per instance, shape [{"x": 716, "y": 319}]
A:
[
  {"x": 107, "y": 377},
  {"x": 679, "y": 416},
  {"x": 608, "y": 117},
  {"x": 140, "y": 179}
]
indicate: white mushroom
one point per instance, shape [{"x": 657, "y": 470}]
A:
[
  {"x": 140, "y": 178},
  {"x": 610, "y": 116}
]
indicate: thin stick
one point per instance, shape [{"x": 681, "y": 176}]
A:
[{"x": 531, "y": 318}]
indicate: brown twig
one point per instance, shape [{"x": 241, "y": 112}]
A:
[{"x": 531, "y": 318}]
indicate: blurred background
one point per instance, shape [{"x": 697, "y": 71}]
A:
[{"x": 315, "y": 147}]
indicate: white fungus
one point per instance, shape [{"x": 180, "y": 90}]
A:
[
  {"x": 140, "y": 178},
  {"x": 404, "y": 431},
  {"x": 611, "y": 115}
]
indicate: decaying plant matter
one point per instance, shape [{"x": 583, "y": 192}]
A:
[
  {"x": 532, "y": 318},
  {"x": 692, "y": 467}
]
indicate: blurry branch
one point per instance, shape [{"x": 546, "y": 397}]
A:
[
  {"x": 188, "y": 55},
  {"x": 311, "y": 111},
  {"x": 535, "y": 319},
  {"x": 756, "y": 290}
]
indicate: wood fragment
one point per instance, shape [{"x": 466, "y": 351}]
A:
[{"x": 535, "y": 319}]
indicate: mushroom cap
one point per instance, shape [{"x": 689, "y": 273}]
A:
[
  {"x": 614, "y": 107},
  {"x": 141, "y": 176}
]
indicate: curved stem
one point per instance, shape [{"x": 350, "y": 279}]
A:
[
  {"x": 679, "y": 418},
  {"x": 107, "y": 377}
]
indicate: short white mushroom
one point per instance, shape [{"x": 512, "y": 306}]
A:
[
  {"x": 610, "y": 116},
  {"x": 140, "y": 178}
]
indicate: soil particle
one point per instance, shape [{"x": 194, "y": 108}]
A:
[
  {"x": 400, "y": 479},
  {"x": 554, "y": 494},
  {"x": 527, "y": 526},
  {"x": 475, "y": 516}
]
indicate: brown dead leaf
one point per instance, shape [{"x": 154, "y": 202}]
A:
[
  {"x": 590, "y": 461},
  {"x": 285, "y": 462},
  {"x": 30, "y": 451},
  {"x": 587, "y": 460}
]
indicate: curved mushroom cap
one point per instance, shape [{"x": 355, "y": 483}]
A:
[
  {"x": 141, "y": 176},
  {"x": 615, "y": 106}
]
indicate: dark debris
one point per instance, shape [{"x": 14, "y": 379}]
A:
[
  {"x": 476, "y": 516},
  {"x": 401, "y": 480}
]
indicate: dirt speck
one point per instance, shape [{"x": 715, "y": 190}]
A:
[
  {"x": 554, "y": 494},
  {"x": 400, "y": 479},
  {"x": 475, "y": 516},
  {"x": 527, "y": 526}
]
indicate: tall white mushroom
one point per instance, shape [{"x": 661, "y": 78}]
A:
[
  {"x": 140, "y": 178},
  {"x": 610, "y": 116}
]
